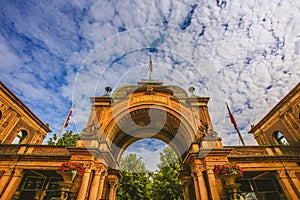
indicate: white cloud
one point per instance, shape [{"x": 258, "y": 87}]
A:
[{"x": 246, "y": 53}]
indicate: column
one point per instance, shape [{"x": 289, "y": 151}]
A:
[
  {"x": 202, "y": 185},
  {"x": 13, "y": 185},
  {"x": 294, "y": 179},
  {"x": 5, "y": 179},
  {"x": 101, "y": 184},
  {"x": 95, "y": 185},
  {"x": 212, "y": 183},
  {"x": 196, "y": 186},
  {"x": 112, "y": 187},
  {"x": 286, "y": 186},
  {"x": 84, "y": 183},
  {"x": 185, "y": 187}
]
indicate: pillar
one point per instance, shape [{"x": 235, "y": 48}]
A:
[
  {"x": 202, "y": 185},
  {"x": 84, "y": 183},
  {"x": 112, "y": 189},
  {"x": 286, "y": 186},
  {"x": 185, "y": 183},
  {"x": 196, "y": 186},
  {"x": 101, "y": 184},
  {"x": 95, "y": 185},
  {"x": 212, "y": 183},
  {"x": 5, "y": 179},
  {"x": 13, "y": 185},
  {"x": 295, "y": 180}
]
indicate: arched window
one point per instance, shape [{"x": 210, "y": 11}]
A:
[
  {"x": 20, "y": 137},
  {"x": 280, "y": 139}
]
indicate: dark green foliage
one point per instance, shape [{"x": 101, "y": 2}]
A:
[
  {"x": 135, "y": 182},
  {"x": 68, "y": 139},
  {"x": 165, "y": 184},
  {"x": 139, "y": 184}
]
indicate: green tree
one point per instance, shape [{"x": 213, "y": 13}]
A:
[
  {"x": 166, "y": 185},
  {"x": 135, "y": 181},
  {"x": 68, "y": 139}
]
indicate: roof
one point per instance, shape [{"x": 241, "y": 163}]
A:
[
  {"x": 122, "y": 92},
  {"x": 23, "y": 106},
  {"x": 282, "y": 102}
]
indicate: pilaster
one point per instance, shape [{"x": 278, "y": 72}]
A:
[
  {"x": 295, "y": 180},
  {"x": 285, "y": 185},
  {"x": 13, "y": 184},
  {"x": 85, "y": 182},
  {"x": 212, "y": 183},
  {"x": 5, "y": 179}
]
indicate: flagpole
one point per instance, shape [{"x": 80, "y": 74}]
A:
[
  {"x": 235, "y": 125},
  {"x": 65, "y": 124},
  {"x": 150, "y": 67}
]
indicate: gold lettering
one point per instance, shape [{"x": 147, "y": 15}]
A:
[{"x": 161, "y": 99}]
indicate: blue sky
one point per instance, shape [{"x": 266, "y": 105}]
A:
[{"x": 53, "y": 53}]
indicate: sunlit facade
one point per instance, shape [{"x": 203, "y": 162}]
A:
[{"x": 149, "y": 109}]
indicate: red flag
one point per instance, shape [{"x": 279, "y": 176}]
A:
[
  {"x": 231, "y": 117},
  {"x": 68, "y": 117}
]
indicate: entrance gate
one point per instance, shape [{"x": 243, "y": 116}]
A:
[{"x": 150, "y": 110}]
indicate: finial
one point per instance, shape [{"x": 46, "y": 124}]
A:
[
  {"x": 192, "y": 90},
  {"x": 108, "y": 90}
]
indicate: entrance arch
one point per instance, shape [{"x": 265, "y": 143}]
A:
[
  {"x": 150, "y": 110},
  {"x": 148, "y": 121}
]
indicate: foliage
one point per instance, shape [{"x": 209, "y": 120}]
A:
[
  {"x": 135, "y": 181},
  {"x": 138, "y": 183},
  {"x": 68, "y": 139},
  {"x": 72, "y": 166},
  {"x": 166, "y": 185},
  {"x": 228, "y": 169}
]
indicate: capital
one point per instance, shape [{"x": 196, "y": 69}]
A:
[
  {"x": 8, "y": 172},
  {"x": 113, "y": 183},
  {"x": 18, "y": 173},
  {"x": 210, "y": 169},
  {"x": 292, "y": 173},
  {"x": 281, "y": 174}
]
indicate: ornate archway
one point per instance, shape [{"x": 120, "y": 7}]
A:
[{"x": 149, "y": 110}]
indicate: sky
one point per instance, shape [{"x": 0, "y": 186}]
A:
[{"x": 246, "y": 53}]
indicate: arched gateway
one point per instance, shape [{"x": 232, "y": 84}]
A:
[
  {"x": 150, "y": 110},
  {"x": 30, "y": 170}
]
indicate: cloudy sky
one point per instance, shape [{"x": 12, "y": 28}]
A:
[{"x": 246, "y": 53}]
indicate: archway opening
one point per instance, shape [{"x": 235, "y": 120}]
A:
[{"x": 149, "y": 170}]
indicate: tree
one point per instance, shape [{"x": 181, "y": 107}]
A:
[
  {"x": 135, "y": 181},
  {"x": 166, "y": 185},
  {"x": 68, "y": 139}
]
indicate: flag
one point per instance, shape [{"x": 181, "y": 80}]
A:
[
  {"x": 231, "y": 117},
  {"x": 68, "y": 117},
  {"x": 150, "y": 66}
]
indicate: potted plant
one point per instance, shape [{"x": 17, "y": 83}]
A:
[
  {"x": 228, "y": 172},
  {"x": 69, "y": 170}
]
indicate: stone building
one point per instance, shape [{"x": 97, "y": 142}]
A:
[{"x": 149, "y": 109}]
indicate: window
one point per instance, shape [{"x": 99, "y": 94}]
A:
[
  {"x": 0, "y": 114},
  {"x": 20, "y": 137},
  {"x": 280, "y": 139}
]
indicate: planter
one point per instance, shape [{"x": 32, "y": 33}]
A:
[
  {"x": 229, "y": 178},
  {"x": 68, "y": 176},
  {"x": 231, "y": 186}
]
